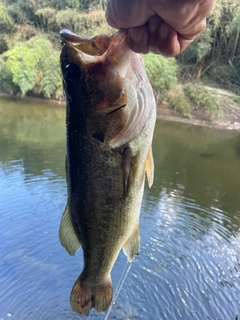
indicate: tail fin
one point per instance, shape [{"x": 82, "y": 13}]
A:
[{"x": 86, "y": 295}]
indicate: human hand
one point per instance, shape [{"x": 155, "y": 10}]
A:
[{"x": 159, "y": 26}]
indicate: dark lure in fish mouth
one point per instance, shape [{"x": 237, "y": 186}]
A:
[{"x": 110, "y": 120}]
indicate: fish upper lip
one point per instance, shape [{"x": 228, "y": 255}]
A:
[{"x": 67, "y": 35}]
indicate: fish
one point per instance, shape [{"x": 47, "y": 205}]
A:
[{"x": 110, "y": 120}]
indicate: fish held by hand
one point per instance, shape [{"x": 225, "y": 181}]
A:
[{"x": 110, "y": 121}]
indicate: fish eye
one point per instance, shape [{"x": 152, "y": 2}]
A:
[{"x": 71, "y": 72}]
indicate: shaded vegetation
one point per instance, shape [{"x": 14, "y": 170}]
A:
[
  {"x": 29, "y": 52},
  {"x": 215, "y": 54},
  {"x": 30, "y": 46},
  {"x": 162, "y": 72}
]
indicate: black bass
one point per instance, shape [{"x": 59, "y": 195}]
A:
[{"x": 110, "y": 120}]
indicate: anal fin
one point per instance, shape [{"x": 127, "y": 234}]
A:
[
  {"x": 149, "y": 168},
  {"x": 132, "y": 246},
  {"x": 67, "y": 235}
]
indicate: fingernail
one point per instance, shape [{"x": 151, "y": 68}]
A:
[
  {"x": 164, "y": 31},
  {"x": 136, "y": 34}
]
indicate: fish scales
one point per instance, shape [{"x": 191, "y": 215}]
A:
[{"x": 110, "y": 121}]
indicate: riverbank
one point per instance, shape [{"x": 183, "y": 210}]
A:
[{"x": 229, "y": 117}]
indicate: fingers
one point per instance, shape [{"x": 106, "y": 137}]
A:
[
  {"x": 159, "y": 26},
  {"x": 157, "y": 37},
  {"x": 127, "y": 13},
  {"x": 138, "y": 39},
  {"x": 167, "y": 41}
]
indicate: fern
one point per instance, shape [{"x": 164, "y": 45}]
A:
[
  {"x": 51, "y": 75},
  {"x": 26, "y": 61},
  {"x": 6, "y": 80}
]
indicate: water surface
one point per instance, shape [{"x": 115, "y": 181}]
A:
[{"x": 189, "y": 264}]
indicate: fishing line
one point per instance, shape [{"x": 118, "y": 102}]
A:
[{"x": 119, "y": 287}]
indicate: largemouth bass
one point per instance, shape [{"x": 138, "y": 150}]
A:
[{"x": 110, "y": 121}]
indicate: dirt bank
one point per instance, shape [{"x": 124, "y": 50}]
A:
[{"x": 229, "y": 118}]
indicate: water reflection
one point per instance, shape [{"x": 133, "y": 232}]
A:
[{"x": 189, "y": 264}]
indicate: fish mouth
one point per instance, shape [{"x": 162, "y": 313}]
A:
[
  {"x": 95, "y": 46},
  {"x": 67, "y": 35}
]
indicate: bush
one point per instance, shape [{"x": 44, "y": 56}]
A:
[
  {"x": 202, "y": 98},
  {"x": 6, "y": 78},
  {"x": 162, "y": 73},
  {"x": 33, "y": 67},
  {"x": 6, "y": 22},
  {"x": 178, "y": 101}
]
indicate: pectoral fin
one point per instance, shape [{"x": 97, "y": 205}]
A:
[
  {"x": 129, "y": 167},
  {"x": 149, "y": 167},
  {"x": 67, "y": 235},
  {"x": 131, "y": 247}
]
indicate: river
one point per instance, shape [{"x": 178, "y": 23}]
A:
[{"x": 189, "y": 264}]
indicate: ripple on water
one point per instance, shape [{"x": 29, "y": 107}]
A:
[
  {"x": 189, "y": 264},
  {"x": 190, "y": 257}
]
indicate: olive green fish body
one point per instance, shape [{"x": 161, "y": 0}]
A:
[{"x": 110, "y": 122}]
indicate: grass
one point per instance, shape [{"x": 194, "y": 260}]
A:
[
  {"x": 203, "y": 99},
  {"x": 178, "y": 101},
  {"x": 184, "y": 98},
  {"x": 237, "y": 100}
]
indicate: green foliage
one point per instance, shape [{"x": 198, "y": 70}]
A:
[
  {"x": 202, "y": 98},
  {"x": 32, "y": 66},
  {"x": 52, "y": 80},
  {"x": 200, "y": 48},
  {"x": 64, "y": 4},
  {"x": 162, "y": 73},
  {"x": 178, "y": 101},
  {"x": 23, "y": 63},
  {"x": 235, "y": 24},
  {"x": 50, "y": 19},
  {"x": 82, "y": 23},
  {"x": 77, "y": 5},
  {"x": 217, "y": 46},
  {"x": 213, "y": 55},
  {"x": 6, "y": 22},
  {"x": 46, "y": 18},
  {"x": 237, "y": 100},
  {"x": 3, "y": 43},
  {"x": 6, "y": 78},
  {"x": 69, "y": 19},
  {"x": 22, "y": 11},
  {"x": 16, "y": 13}
]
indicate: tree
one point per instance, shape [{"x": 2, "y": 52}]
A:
[{"x": 6, "y": 22}]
